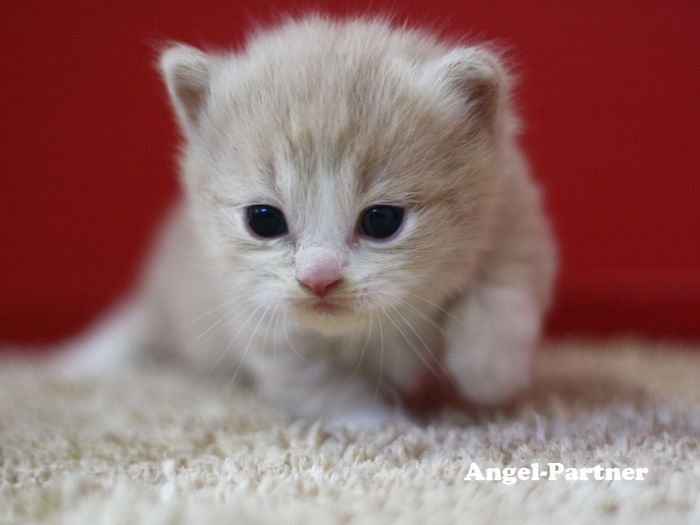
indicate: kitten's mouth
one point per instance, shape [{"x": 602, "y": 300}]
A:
[
  {"x": 327, "y": 307},
  {"x": 324, "y": 307},
  {"x": 329, "y": 316}
]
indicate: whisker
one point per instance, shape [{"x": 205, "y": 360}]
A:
[
  {"x": 228, "y": 347},
  {"x": 437, "y": 361},
  {"x": 420, "y": 314},
  {"x": 219, "y": 307},
  {"x": 302, "y": 331},
  {"x": 427, "y": 348},
  {"x": 267, "y": 330},
  {"x": 410, "y": 343},
  {"x": 344, "y": 346},
  {"x": 247, "y": 347},
  {"x": 203, "y": 334},
  {"x": 381, "y": 358},
  {"x": 286, "y": 335},
  {"x": 277, "y": 324},
  {"x": 362, "y": 352},
  {"x": 436, "y": 306}
]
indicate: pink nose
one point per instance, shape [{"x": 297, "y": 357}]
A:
[{"x": 319, "y": 283}]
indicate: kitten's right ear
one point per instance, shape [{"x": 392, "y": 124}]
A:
[
  {"x": 476, "y": 76},
  {"x": 187, "y": 73}
]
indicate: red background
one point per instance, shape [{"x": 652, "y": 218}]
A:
[{"x": 609, "y": 91}]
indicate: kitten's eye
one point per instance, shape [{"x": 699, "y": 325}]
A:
[
  {"x": 381, "y": 221},
  {"x": 266, "y": 221}
]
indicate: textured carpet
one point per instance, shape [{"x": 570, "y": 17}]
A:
[{"x": 164, "y": 448}]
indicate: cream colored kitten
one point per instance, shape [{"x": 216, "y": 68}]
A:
[{"x": 357, "y": 215}]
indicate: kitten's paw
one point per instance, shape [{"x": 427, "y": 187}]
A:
[
  {"x": 491, "y": 340},
  {"x": 111, "y": 347},
  {"x": 366, "y": 418},
  {"x": 494, "y": 380},
  {"x": 83, "y": 362}
]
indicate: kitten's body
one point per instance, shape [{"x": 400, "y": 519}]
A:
[{"x": 322, "y": 120}]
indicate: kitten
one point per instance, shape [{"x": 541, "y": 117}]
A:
[{"x": 357, "y": 216}]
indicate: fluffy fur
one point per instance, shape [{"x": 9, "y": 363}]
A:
[{"x": 322, "y": 119}]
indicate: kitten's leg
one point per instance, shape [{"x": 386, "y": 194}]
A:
[
  {"x": 494, "y": 327},
  {"x": 115, "y": 343},
  {"x": 174, "y": 289},
  {"x": 492, "y": 335}
]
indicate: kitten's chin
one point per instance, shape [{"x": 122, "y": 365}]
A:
[{"x": 330, "y": 320}]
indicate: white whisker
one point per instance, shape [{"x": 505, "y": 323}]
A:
[
  {"x": 362, "y": 352},
  {"x": 247, "y": 347},
  {"x": 277, "y": 324},
  {"x": 302, "y": 331},
  {"x": 205, "y": 332},
  {"x": 216, "y": 308},
  {"x": 427, "y": 348},
  {"x": 286, "y": 335},
  {"x": 267, "y": 330},
  {"x": 381, "y": 358},
  {"x": 411, "y": 344},
  {"x": 446, "y": 312},
  {"x": 228, "y": 347},
  {"x": 420, "y": 314},
  {"x": 437, "y": 361}
]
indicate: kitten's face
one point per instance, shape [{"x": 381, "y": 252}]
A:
[{"x": 337, "y": 190}]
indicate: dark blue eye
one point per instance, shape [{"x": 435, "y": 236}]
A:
[
  {"x": 381, "y": 221},
  {"x": 266, "y": 221}
]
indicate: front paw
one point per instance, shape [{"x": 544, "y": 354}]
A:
[{"x": 492, "y": 334}]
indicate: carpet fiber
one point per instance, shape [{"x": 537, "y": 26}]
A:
[{"x": 164, "y": 448}]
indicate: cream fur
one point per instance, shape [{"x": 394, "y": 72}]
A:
[{"x": 322, "y": 119}]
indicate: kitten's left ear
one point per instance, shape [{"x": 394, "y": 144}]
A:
[
  {"x": 477, "y": 78},
  {"x": 187, "y": 74}
]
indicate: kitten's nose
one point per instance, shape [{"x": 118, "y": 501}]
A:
[
  {"x": 320, "y": 281},
  {"x": 319, "y": 268}
]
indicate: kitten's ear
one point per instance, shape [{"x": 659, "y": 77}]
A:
[
  {"x": 476, "y": 76},
  {"x": 187, "y": 73}
]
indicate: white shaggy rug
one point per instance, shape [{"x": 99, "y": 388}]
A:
[{"x": 164, "y": 448}]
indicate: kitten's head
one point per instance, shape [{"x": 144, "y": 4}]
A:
[{"x": 339, "y": 169}]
